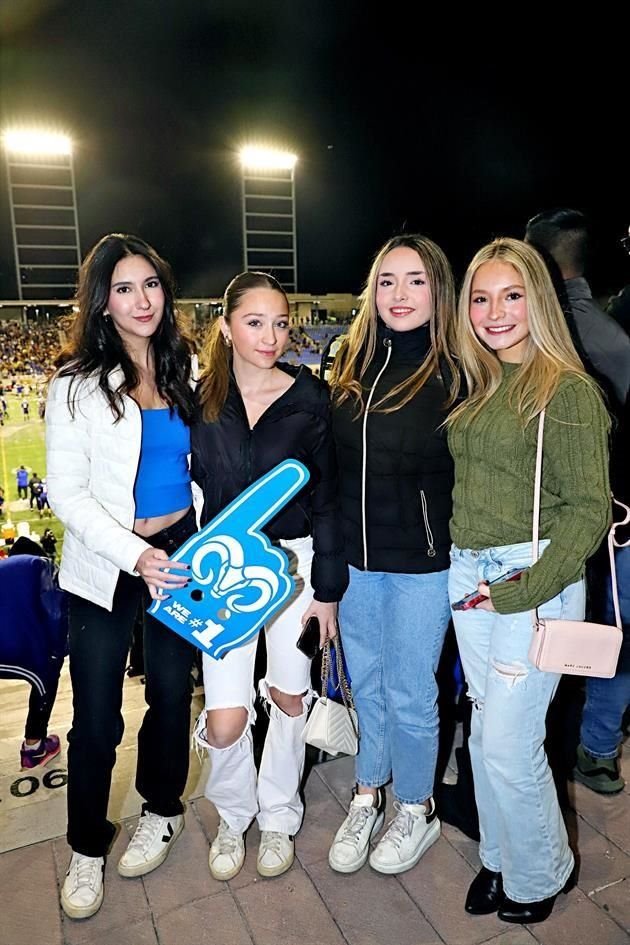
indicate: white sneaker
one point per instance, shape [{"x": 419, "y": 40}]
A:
[
  {"x": 412, "y": 831},
  {"x": 82, "y": 890},
  {"x": 275, "y": 853},
  {"x": 227, "y": 853},
  {"x": 150, "y": 844},
  {"x": 351, "y": 845}
]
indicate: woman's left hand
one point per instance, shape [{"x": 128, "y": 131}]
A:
[
  {"x": 482, "y": 588},
  {"x": 327, "y": 616}
]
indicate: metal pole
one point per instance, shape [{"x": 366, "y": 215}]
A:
[
  {"x": 294, "y": 228},
  {"x": 74, "y": 210},
  {"x": 244, "y": 198},
  {"x": 18, "y": 273}
]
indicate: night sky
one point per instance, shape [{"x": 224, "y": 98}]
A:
[{"x": 159, "y": 94}]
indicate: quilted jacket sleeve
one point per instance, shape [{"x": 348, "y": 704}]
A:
[{"x": 68, "y": 460}]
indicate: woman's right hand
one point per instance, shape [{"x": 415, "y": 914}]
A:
[{"x": 150, "y": 566}]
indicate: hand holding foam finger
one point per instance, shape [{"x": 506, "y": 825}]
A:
[{"x": 238, "y": 579}]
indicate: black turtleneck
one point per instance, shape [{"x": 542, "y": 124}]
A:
[
  {"x": 407, "y": 346},
  {"x": 407, "y": 455}
]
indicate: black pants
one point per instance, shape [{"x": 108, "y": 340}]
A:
[
  {"x": 40, "y": 709},
  {"x": 99, "y": 643}
]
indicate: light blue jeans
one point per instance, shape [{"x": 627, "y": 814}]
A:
[
  {"x": 522, "y": 831},
  {"x": 393, "y": 628}
]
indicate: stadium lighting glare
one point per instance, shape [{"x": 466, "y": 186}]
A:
[
  {"x": 258, "y": 158},
  {"x": 32, "y": 141}
]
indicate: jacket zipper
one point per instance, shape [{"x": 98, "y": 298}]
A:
[
  {"x": 431, "y": 552},
  {"x": 388, "y": 344}
]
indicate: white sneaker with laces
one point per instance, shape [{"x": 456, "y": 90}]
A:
[
  {"x": 150, "y": 844},
  {"x": 412, "y": 831},
  {"x": 82, "y": 890},
  {"x": 275, "y": 853},
  {"x": 351, "y": 845},
  {"x": 227, "y": 853}
]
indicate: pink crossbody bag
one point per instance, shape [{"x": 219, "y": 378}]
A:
[{"x": 575, "y": 647}]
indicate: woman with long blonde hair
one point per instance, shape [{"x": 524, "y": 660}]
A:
[
  {"x": 390, "y": 386},
  {"x": 517, "y": 358}
]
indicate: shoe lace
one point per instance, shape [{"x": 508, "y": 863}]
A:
[
  {"x": 400, "y": 828},
  {"x": 146, "y": 830},
  {"x": 84, "y": 871},
  {"x": 354, "y": 824},
  {"x": 271, "y": 842},
  {"x": 226, "y": 839}
]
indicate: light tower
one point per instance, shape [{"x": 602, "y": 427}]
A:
[
  {"x": 43, "y": 206},
  {"x": 268, "y": 202}
]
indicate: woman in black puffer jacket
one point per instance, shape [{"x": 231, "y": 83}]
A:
[
  {"x": 390, "y": 387},
  {"x": 253, "y": 414}
]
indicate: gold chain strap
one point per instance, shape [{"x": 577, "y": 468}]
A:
[{"x": 343, "y": 684}]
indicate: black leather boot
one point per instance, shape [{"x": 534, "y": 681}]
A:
[
  {"x": 526, "y": 913},
  {"x": 485, "y": 894}
]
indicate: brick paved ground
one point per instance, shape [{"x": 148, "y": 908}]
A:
[{"x": 180, "y": 904}]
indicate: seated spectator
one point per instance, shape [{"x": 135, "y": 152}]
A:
[{"x": 31, "y": 603}]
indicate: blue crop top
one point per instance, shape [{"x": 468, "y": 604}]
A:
[{"x": 163, "y": 480}]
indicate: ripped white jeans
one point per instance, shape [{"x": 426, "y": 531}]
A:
[
  {"x": 522, "y": 831},
  {"x": 233, "y": 786}
]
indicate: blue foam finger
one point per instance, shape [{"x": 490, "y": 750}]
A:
[{"x": 238, "y": 579}]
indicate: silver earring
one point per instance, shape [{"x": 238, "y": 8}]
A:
[{"x": 227, "y": 341}]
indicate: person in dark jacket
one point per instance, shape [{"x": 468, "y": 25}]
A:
[
  {"x": 390, "y": 385},
  {"x": 253, "y": 414},
  {"x": 33, "y": 641}
]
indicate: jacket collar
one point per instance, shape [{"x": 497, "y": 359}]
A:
[{"x": 406, "y": 345}]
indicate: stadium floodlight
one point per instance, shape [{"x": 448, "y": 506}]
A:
[
  {"x": 268, "y": 205},
  {"x": 34, "y": 141},
  {"x": 43, "y": 209},
  {"x": 259, "y": 158}
]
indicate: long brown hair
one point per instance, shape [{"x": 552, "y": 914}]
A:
[
  {"x": 217, "y": 356},
  {"x": 358, "y": 350},
  {"x": 96, "y": 348}
]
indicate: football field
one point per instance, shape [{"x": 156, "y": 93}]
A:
[{"x": 22, "y": 443}]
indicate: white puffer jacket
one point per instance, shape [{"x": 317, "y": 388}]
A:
[{"x": 91, "y": 471}]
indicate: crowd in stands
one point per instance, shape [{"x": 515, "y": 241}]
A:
[
  {"x": 31, "y": 349},
  {"x": 28, "y": 349},
  {"x": 308, "y": 342}
]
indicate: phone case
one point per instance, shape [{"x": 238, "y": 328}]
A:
[
  {"x": 473, "y": 599},
  {"x": 308, "y": 641}
]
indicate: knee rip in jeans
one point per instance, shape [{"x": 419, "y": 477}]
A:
[
  {"x": 199, "y": 738},
  {"x": 264, "y": 688},
  {"x": 512, "y": 674}
]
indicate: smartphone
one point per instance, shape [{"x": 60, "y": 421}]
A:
[
  {"x": 471, "y": 600},
  {"x": 308, "y": 641}
]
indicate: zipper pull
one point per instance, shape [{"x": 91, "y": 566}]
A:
[{"x": 387, "y": 342}]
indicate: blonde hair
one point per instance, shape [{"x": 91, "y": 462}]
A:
[
  {"x": 217, "y": 356},
  {"x": 549, "y": 353},
  {"x": 347, "y": 372}
]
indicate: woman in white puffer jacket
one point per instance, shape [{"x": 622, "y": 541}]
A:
[{"x": 118, "y": 439}]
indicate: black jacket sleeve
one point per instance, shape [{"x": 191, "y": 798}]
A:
[{"x": 329, "y": 574}]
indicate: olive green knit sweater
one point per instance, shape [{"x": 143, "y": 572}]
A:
[{"x": 493, "y": 497}]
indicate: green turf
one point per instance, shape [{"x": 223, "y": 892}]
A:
[{"x": 23, "y": 443}]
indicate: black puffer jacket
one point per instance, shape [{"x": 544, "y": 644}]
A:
[
  {"x": 227, "y": 457},
  {"x": 409, "y": 471}
]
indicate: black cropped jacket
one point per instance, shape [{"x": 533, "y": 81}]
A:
[{"x": 227, "y": 457}]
